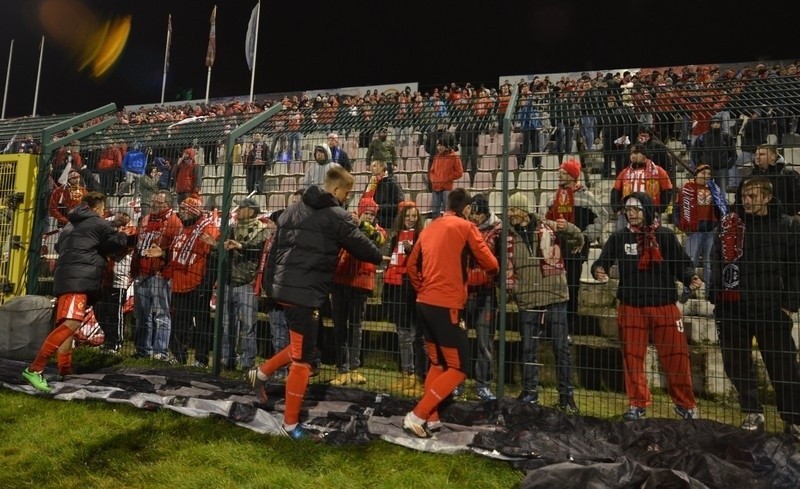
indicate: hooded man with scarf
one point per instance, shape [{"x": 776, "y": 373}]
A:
[
  {"x": 576, "y": 204},
  {"x": 315, "y": 174},
  {"x": 650, "y": 259},
  {"x": 538, "y": 284},
  {"x": 754, "y": 290}
]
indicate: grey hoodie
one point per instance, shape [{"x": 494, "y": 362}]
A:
[{"x": 315, "y": 173}]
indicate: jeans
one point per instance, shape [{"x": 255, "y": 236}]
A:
[
  {"x": 699, "y": 244},
  {"x": 438, "y": 202},
  {"x": 587, "y": 129},
  {"x": 151, "y": 308},
  {"x": 279, "y": 330},
  {"x": 293, "y": 149},
  {"x": 239, "y": 321},
  {"x": 531, "y": 143},
  {"x": 564, "y": 134},
  {"x": 721, "y": 177},
  {"x": 400, "y": 303},
  {"x": 552, "y": 322},
  {"x": 480, "y": 315},
  {"x": 348, "y": 304}
]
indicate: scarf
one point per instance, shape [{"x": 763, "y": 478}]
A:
[
  {"x": 372, "y": 186},
  {"x": 153, "y": 230},
  {"x": 642, "y": 180},
  {"x": 563, "y": 204},
  {"x": 183, "y": 250},
  {"x": 649, "y": 250},
  {"x": 732, "y": 243},
  {"x": 688, "y": 211},
  {"x": 551, "y": 263}
]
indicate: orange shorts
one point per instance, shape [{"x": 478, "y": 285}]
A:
[{"x": 71, "y": 306}]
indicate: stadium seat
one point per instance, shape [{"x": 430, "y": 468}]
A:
[
  {"x": 417, "y": 182},
  {"x": 424, "y": 200},
  {"x": 527, "y": 180},
  {"x": 276, "y": 202},
  {"x": 288, "y": 184},
  {"x": 483, "y": 181}
]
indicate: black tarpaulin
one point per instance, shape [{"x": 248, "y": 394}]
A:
[{"x": 557, "y": 450}]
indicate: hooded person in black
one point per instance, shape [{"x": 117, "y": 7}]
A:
[
  {"x": 755, "y": 283},
  {"x": 650, "y": 259},
  {"x": 716, "y": 149}
]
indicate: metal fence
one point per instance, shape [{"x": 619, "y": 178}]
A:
[{"x": 509, "y": 144}]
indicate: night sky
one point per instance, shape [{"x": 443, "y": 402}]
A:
[{"x": 312, "y": 45}]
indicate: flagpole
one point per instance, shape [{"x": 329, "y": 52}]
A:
[
  {"x": 212, "y": 48},
  {"x": 38, "y": 77},
  {"x": 255, "y": 53},
  {"x": 166, "y": 58},
  {"x": 208, "y": 84},
  {"x": 8, "y": 78}
]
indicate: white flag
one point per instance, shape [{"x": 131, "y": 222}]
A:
[{"x": 250, "y": 39}]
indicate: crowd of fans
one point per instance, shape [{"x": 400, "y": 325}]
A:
[{"x": 623, "y": 114}]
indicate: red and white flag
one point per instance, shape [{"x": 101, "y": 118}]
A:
[{"x": 212, "y": 39}]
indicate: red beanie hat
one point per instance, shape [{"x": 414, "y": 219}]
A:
[
  {"x": 367, "y": 204},
  {"x": 192, "y": 206},
  {"x": 573, "y": 168}
]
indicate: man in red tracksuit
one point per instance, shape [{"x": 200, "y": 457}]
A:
[{"x": 437, "y": 268}]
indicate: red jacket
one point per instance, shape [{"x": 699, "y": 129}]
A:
[
  {"x": 189, "y": 254},
  {"x": 63, "y": 200},
  {"x": 159, "y": 229},
  {"x": 397, "y": 266},
  {"x": 437, "y": 266},
  {"x": 445, "y": 169},
  {"x": 356, "y": 273},
  {"x": 184, "y": 174}
]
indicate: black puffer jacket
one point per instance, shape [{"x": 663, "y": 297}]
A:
[
  {"x": 83, "y": 248},
  {"x": 305, "y": 249},
  {"x": 388, "y": 196}
]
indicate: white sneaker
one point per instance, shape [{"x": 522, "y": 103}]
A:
[{"x": 413, "y": 428}]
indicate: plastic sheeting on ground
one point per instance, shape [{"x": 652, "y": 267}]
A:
[{"x": 556, "y": 450}]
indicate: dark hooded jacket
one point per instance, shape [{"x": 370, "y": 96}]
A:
[
  {"x": 657, "y": 151},
  {"x": 83, "y": 248},
  {"x": 768, "y": 270},
  {"x": 305, "y": 249},
  {"x": 785, "y": 186},
  {"x": 655, "y": 286}
]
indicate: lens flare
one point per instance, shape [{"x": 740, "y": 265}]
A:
[{"x": 96, "y": 42}]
